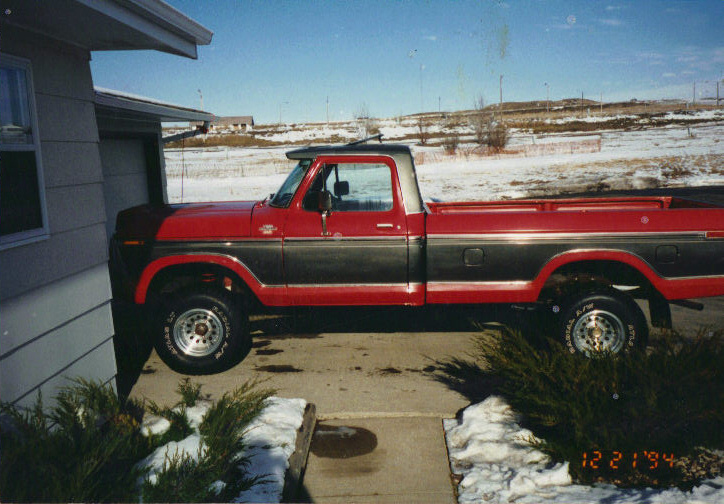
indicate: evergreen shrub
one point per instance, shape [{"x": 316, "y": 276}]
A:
[
  {"x": 84, "y": 449},
  {"x": 87, "y": 448},
  {"x": 666, "y": 401}
]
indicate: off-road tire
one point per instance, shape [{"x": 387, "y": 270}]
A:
[
  {"x": 202, "y": 330},
  {"x": 602, "y": 321}
]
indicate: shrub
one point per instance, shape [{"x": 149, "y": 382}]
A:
[
  {"x": 487, "y": 130},
  {"x": 84, "y": 449},
  {"x": 87, "y": 448},
  {"x": 422, "y": 132},
  {"x": 184, "y": 479},
  {"x": 479, "y": 121},
  {"x": 497, "y": 134},
  {"x": 366, "y": 125},
  {"x": 450, "y": 144},
  {"x": 667, "y": 400}
]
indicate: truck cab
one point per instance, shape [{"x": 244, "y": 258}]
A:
[{"x": 365, "y": 246}]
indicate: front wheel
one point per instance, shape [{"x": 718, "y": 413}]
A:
[
  {"x": 603, "y": 322},
  {"x": 202, "y": 331}
]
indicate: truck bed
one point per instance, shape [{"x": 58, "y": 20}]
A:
[{"x": 568, "y": 205}]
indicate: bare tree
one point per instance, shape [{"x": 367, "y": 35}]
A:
[
  {"x": 488, "y": 131},
  {"x": 497, "y": 134},
  {"x": 366, "y": 124},
  {"x": 479, "y": 120},
  {"x": 422, "y": 130}
]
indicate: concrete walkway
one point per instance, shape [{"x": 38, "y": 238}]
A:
[{"x": 379, "y": 460}]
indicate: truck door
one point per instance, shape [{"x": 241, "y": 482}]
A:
[{"x": 355, "y": 253}]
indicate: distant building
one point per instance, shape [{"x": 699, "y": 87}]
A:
[{"x": 233, "y": 123}]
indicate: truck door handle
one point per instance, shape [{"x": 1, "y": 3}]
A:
[{"x": 384, "y": 226}]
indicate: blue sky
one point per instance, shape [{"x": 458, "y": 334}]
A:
[{"x": 396, "y": 57}]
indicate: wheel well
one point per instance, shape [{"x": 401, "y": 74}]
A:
[
  {"x": 575, "y": 276},
  {"x": 173, "y": 278},
  {"x": 588, "y": 275}
]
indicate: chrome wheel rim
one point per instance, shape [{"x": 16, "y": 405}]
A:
[
  {"x": 198, "y": 332},
  {"x": 599, "y": 331}
]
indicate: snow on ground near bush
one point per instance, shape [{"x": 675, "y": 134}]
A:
[
  {"x": 270, "y": 441},
  {"x": 489, "y": 449},
  {"x": 659, "y": 157}
]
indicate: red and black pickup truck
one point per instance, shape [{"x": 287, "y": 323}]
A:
[{"x": 348, "y": 227}]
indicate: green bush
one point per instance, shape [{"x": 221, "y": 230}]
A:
[
  {"x": 669, "y": 399},
  {"x": 84, "y": 449},
  {"x": 88, "y": 446},
  {"x": 186, "y": 480}
]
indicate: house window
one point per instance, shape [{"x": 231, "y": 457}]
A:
[{"x": 23, "y": 217}]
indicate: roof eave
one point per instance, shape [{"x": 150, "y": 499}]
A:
[
  {"x": 164, "y": 112},
  {"x": 173, "y": 31}
]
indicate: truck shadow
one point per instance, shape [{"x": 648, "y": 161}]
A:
[
  {"x": 310, "y": 322},
  {"x": 133, "y": 344}
]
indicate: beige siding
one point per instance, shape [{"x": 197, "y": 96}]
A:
[
  {"x": 71, "y": 164},
  {"x": 37, "y": 313},
  {"x": 66, "y": 119},
  {"x": 98, "y": 362},
  {"x": 46, "y": 357},
  {"x": 55, "y": 294},
  {"x": 29, "y": 267},
  {"x": 64, "y": 204}
]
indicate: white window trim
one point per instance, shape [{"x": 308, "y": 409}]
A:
[{"x": 41, "y": 233}]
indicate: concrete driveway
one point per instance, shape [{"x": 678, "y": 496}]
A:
[{"x": 372, "y": 375}]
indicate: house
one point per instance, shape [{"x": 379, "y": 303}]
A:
[
  {"x": 233, "y": 123},
  {"x": 70, "y": 158}
]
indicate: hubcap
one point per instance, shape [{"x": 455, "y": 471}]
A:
[
  {"x": 599, "y": 331},
  {"x": 198, "y": 332}
]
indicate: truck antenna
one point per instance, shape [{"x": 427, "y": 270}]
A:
[{"x": 378, "y": 136}]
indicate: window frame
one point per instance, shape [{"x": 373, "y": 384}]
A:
[
  {"x": 43, "y": 232},
  {"x": 365, "y": 162}
]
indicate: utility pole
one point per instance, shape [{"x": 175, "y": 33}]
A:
[
  {"x": 327, "y": 110},
  {"x": 717, "y": 93},
  {"x": 693, "y": 101},
  {"x": 601, "y": 102},
  {"x": 201, "y": 99},
  {"x": 439, "y": 110},
  {"x": 280, "y": 110},
  {"x": 581, "y": 103},
  {"x": 548, "y": 100},
  {"x": 422, "y": 67},
  {"x": 501, "y": 95}
]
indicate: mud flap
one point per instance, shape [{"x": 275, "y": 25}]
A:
[{"x": 659, "y": 311}]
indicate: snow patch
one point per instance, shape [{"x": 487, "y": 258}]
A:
[
  {"x": 270, "y": 441},
  {"x": 493, "y": 455}
]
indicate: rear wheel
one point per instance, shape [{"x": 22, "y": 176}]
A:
[
  {"x": 202, "y": 331},
  {"x": 603, "y": 322}
]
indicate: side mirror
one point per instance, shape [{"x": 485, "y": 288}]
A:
[
  {"x": 325, "y": 201},
  {"x": 341, "y": 188}
]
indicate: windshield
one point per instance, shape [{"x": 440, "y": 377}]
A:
[{"x": 284, "y": 195}]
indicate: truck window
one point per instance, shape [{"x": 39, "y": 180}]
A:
[
  {"x": 284, "y": 195},
  {"x": 355, "y": 187}
]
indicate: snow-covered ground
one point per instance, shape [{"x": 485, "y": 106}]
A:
[
  {"x": 270, "y": 440},
  {"x": 672, "y": 156},
  {"x": 489, "y": 450}
]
